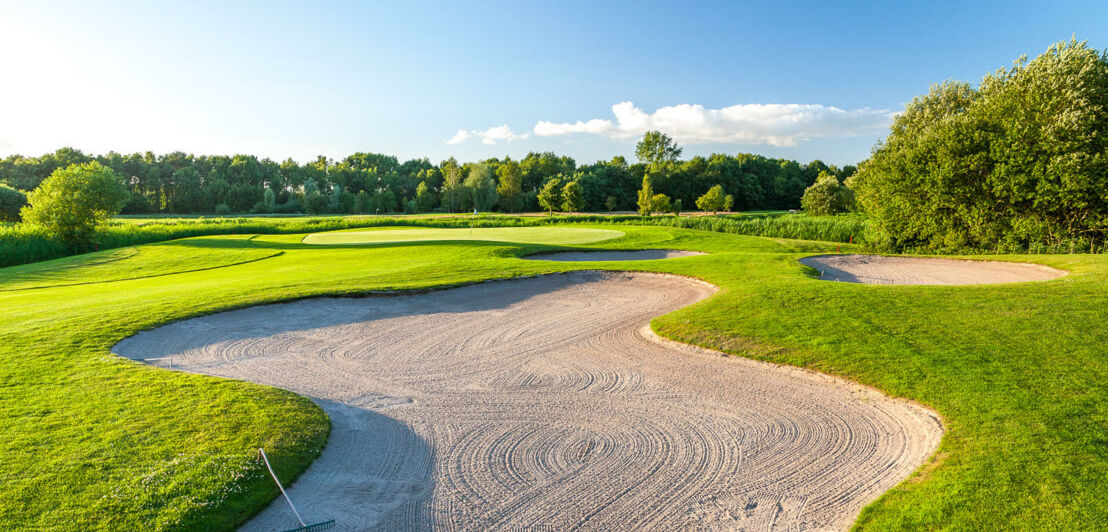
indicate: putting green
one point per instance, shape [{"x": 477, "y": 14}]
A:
[{"x": 523, "y": 235}]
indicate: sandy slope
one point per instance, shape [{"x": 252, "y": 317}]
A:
[
  {"x": 593, "y": 256},
  {"x": 877, "y": 269},
  {"x": 546, "y": 403}
]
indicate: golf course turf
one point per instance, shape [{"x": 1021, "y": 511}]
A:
[
  {"x": 94, "y": 441},
  {"x": 519, "y": 235}
]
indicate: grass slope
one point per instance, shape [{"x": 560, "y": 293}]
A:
[{"x": 93, "y": 441}]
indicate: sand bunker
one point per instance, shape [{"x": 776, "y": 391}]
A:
[
  {"x": 546, "y": 403},
  {"x": 877, "y": 269},
  {"x": 594, "y": 256}
]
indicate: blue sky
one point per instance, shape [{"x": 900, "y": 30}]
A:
[{"x": 801, "y": 80}]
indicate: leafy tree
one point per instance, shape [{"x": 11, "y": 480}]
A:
[
  {"x": 549, "y": 196},
  {"x": 269, "y": 200},
  {"x": 363, "y": 203},
  {"x": 826, "y": 196},
  {"x": 310, "y": 187},
  {"x": 646, "y": 197},
  {"x": 181, "y": 182},
  {"x": 481, "y": 187},
  {"x": 385, "y": 201},
  {"x": 572, "y": 201},
  {"x": 11, "y": 201},
  {"x": 676, "y": 207},
  {"x": 315, "y": 203},
  {"x": 452, "y": 187},
  {"x": 76, "y": 201},
  {"x": 510, "y": 187},
  {"x": 424, "y": 199},
  {"x": 611, "y": 203},
  {"x": 1020, "y": 160},
  {"x": 334, "y": 202},
  {"x": 189, "y": 196},
  {"x": 657, "y": 148},
  {"x": 714, "y": 200},
  {"x": 660, "y": 203}
]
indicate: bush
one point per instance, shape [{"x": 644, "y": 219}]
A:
[
  {"x": 11, "y": 202},
  {"x": 715, "y": 200},
  {"x": 825, "y": 197},
  {"x": 222, "y": 209},
  {"x": 75, "y": 202}
]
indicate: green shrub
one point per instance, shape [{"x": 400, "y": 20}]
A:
[
  {"x": 11, "y": 202},
  {"x": 75, "y": 202},
  {"x": 825, "y": 197}
]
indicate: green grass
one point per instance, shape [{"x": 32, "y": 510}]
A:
[
  {"x": 92, "y": 441},
  {"x": 523, "y": 235},
  {"x": 22, "y": 245}
]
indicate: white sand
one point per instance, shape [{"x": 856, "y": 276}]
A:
[
  {"x": 877, "y": 269},
  {"x": 593, "y": 256},
  {"x": 545, "y": 402}
]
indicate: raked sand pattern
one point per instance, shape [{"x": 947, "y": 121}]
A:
[
  {"x": 879, "y": 269},
  {"x": 546, "y": 403}
]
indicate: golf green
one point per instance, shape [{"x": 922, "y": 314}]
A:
[{"x": 523, "y": 235}]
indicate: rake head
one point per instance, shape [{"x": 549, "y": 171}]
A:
[{"x": 313, "y": 528}]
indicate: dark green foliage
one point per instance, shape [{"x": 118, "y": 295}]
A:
[
  {"x": 611, "y": 203},
  {"x": 1020, "y": 161},
  {"x": 183, "y": 183},
  {"x": 11, "y": 202}
]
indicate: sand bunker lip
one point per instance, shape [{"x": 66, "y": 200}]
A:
[
  {"x": 495, "y": 406},
  {"x": 612, "y": 255},
  {"x": 880, "y": 269}
]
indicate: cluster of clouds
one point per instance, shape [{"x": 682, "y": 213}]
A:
[{"x": 772, "y": 124}]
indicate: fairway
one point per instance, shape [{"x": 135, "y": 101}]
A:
[{"x": 522, "y": 235}]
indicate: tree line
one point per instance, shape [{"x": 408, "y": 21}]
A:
[{"x": 368, "y": 183}]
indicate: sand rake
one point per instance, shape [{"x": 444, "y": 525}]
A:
[{"x": 304, "y": 527}]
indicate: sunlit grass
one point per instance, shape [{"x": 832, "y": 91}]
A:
[{"x": 92, "y": 441}]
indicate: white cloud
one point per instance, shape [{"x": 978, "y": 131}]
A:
[
  {"x": 459, "y": 137},
  {"x": 489, "y": 136},
  {"x": 773, "y": 124},
  {"x": 596, "y": 125}
]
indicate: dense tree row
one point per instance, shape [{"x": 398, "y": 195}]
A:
[{"x": 374, "y": 183}]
